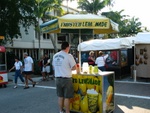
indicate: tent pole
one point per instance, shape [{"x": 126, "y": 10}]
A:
[
  {"x": 80, "y": 48},
  {"x": 134, "y": 68}
]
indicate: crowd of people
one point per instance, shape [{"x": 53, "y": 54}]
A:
[
  {"x": 100, "y": 61},
  {"x": 104, "y": 60},
  {"x": 27, "y": 69}
]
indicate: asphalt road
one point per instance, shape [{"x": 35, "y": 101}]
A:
[{"x": 129, "y": 98}]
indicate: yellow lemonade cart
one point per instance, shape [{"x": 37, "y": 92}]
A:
[{"x": 93, "y": 93}]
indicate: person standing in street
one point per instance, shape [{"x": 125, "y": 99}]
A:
[
  {"x": 46, "y": 67},
  {"x": 40, "y": 64},
  {"x": 18, "y": 70},
  {"x": 63, "y": 64},
  {"x": 28, "y": 69}
]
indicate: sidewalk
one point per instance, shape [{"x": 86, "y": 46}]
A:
[
  {"x": 36, "y": 78},
  {"x": 127, "y": 79}
]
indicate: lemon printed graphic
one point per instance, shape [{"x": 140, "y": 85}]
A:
[
  {"x": 84, "y": 104},
  {"x": 71, "y": 100},
  {"x": 100, "y": 103},
  {"x": 90, "y": 86},
  {"x": 96, "y": 86},
  {"x": 75, "y": 82},
  {"x": 100, "y": 87},
  {"x": 109, "y": 94},
  {"x": 82, "y": 85},
  {"x": 76, "y": 102}
]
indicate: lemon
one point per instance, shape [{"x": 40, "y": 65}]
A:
[
  {"x": 101, "y": 84},
  {"x": 84, "y": 104},
  {"x": 71, "y": 101},
  {"x": 100, "y": 102},
  {"x": 109, "y": 94},
  {"x": 76, "y": 102},
  {"x": 75, "y": 82}
]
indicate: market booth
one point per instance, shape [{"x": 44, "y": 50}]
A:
[
  {"x": 142, "y": 55},
  {"x": 3, "y": 69},
  {"x": 86, "y": 98},
  {"x": 119, "y": 50}
]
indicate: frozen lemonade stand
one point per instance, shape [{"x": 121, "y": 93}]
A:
[{"x": 93, "y": 90}]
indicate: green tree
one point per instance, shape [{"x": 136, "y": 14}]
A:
[
  {"x": 127, "y": 26},
  {"x": 14, "y": 13},
  {"x": 94, "y": 6},
  {"x": 26, "y": 13}
]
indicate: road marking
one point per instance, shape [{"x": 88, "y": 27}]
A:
[
  {"x": 48, "y": 87},
  {"x": 133, "y": 96},
  {"x": 116, "y": 94},
  {"x": 132, "y": 82}
]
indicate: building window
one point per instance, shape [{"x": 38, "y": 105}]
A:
[
  {"x": 61, "y": 38},
  {"x": 46, "y": 36}
]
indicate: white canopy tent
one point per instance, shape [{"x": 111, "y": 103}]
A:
[
  {"x": 119, "y": 43},
  {"x": 106, "y": 44},
  {"x": 143, "y": 38}
]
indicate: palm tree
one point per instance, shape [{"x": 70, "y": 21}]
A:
[
  {"x": 94, "y": 6},
  {"x": 127, "y": 26},
  {"x": 40, "y": 9}
]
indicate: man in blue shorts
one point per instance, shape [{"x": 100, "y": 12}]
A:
[{"x": 63, "y": 64}]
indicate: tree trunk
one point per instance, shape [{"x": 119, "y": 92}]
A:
[
  {"x": 53, "y": 39},
  {"x": 39, "y": 39}
]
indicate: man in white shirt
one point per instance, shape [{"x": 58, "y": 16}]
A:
[
  {"x": 100, "y": 61},
  {"x": 28, "y": 69},
  {"x": 63, "y": 64}
]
